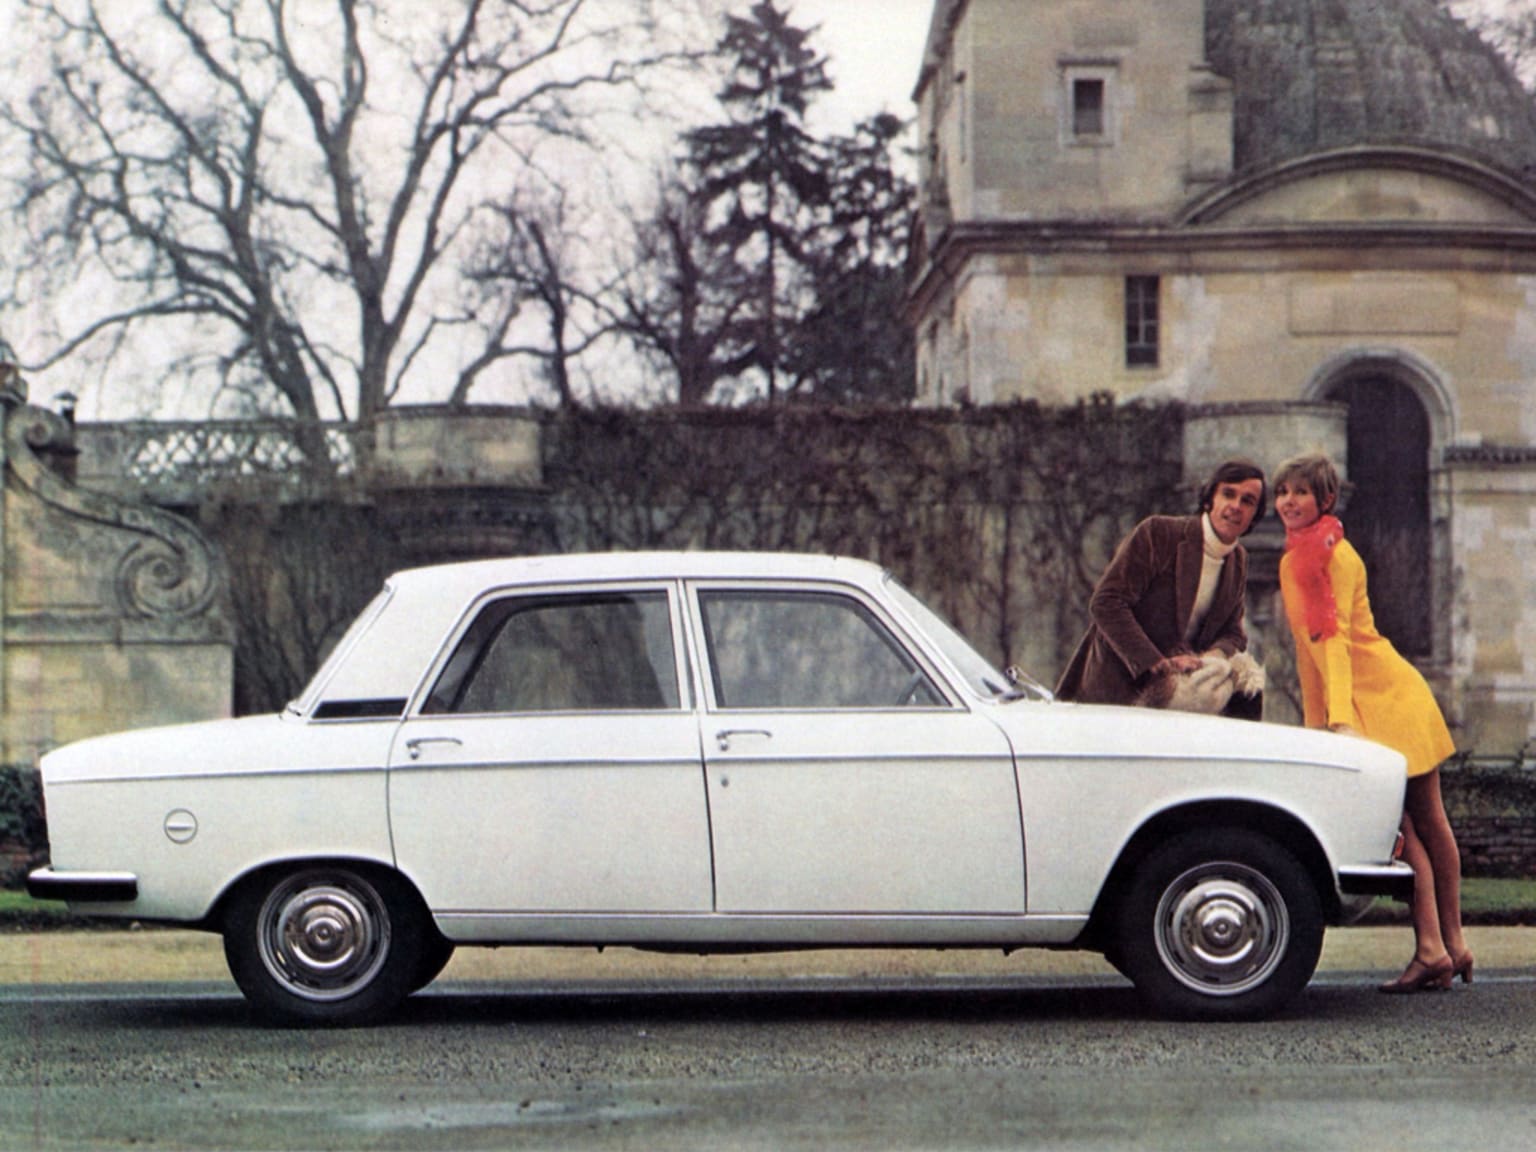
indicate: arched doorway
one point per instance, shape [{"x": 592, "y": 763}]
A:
[{"x": 1387, "y": 517}]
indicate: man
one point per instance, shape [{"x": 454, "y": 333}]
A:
[{"x": 1175, "y": 588}]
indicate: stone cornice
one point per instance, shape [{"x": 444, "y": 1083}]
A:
[
  {"x": 1197, "y": 229},
  {"x": 1501, "y": 247},
  {"x": 1461, "y": 169},
  {"x": 1490, "y": 456}
]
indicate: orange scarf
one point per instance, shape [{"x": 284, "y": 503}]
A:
[{"x": 1311, "y": 552}]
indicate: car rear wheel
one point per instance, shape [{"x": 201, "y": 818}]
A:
[
  {"x": 1220, "y": 925},
  {"x": 332, "y": 944},
  {"x": 436, "y": 951}
]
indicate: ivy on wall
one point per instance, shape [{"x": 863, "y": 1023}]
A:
[{"x": 1003, "y": 517}]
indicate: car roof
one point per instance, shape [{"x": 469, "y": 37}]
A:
[
  {"x": 388, "y": 656},
  {"x": 673, "y": 565}
]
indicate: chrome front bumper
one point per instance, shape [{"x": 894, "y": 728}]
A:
[
  {"x": 1394, "y": 880},
  {"x": 83, "y": 887}
]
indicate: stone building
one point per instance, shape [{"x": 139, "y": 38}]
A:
[{"x": 1311, "y": 220}]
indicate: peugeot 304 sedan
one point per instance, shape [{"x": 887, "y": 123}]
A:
[{"x": 713, "y": 752}]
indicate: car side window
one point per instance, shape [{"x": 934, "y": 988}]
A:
[
  {"x": 578, "y": 653},
  {"x": 772, "y": 649}
]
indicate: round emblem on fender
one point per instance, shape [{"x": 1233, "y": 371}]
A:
[{"x": 180, "y": 826}]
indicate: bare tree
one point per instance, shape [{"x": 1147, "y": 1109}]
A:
[
  {"x": 548, "y": 289},
  {"x": 298, "y": 575},
  {"x": 297, "y": 186},
  {"x": 686, "y": 302}
]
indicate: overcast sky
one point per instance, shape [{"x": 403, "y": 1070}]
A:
[{"x": 875, "y": 47}]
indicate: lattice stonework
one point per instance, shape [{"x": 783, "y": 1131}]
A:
[{"x": 170, "y": 454}]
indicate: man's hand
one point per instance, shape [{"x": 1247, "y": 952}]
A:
[{"x": 1173, "y": 665}]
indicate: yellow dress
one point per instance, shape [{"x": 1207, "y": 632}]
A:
[{"x": 1356, "y": 677}]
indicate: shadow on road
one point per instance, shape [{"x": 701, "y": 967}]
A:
[{"x": 488, "y": 1005}]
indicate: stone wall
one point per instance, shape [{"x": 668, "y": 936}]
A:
[
  {"x": 1492, "y": 806},
  {"x": 112, "y": 612}
]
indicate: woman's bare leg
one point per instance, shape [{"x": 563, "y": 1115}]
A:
[
  {"x": 1429, "y": 945},
  {"x": 1426, "y": 811}
]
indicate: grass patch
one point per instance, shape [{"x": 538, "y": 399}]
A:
[
  {"x": 1484, "y": 900},
  {"x": 20, "y": 913},
  {"x": 1484, "y": 896}
]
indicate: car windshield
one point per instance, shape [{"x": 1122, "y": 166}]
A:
[
  {"x": 366, "y": 617},
  {"x": 976, "y": 668}
]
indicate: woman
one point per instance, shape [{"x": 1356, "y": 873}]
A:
[
  {"x": 1354, "y": 681},
  {"x": 1175, "y": 588}
]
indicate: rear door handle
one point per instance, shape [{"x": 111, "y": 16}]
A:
[
  {"x": 415, "y": 744},
  {"x": 724, "y": 737}
]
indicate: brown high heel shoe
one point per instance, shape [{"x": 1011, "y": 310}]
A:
[
  {"x": 1461, "y": 966},
  {"x": 1422, "y": 977}
]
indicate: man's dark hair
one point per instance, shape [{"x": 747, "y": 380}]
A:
[{"x": 1235, "y": 471}]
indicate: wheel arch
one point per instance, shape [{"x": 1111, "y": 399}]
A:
[
  {"x": 268, "y": 870},
  {"x": 1284, "y": 828}
]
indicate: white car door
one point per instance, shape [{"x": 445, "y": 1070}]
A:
[
  {"x": 843, "y": 778},
  {"x": 554, "y": 766}
]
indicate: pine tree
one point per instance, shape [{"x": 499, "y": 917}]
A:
[
  {"x": 760, "y": 180},
  {"x": 855, "y": 345},
  {"x": 774, "y": 257}
]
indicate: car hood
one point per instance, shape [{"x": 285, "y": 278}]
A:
[
  {"x": 251, "y": 744},
  {"x": 1096, "y": 731}
]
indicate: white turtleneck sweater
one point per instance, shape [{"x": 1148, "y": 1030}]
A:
[{"x": 1216, "y": 553}]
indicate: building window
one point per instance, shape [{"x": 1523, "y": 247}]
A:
[
  {"x": 1087, "y": 107},
  {"x": 1141, "y": 321},
  {"x": 1088, "y": 103}
]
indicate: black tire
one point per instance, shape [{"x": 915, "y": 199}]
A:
[
  {"x": 333, "y": 944},
  {"x": 436, "y": 951},
  {"x": 1220, "y": 925}
]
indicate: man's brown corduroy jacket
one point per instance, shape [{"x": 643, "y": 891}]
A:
[{"x": 1142, "y": 605}]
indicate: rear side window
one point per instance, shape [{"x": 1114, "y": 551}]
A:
[{"x": 578, "y": 653}]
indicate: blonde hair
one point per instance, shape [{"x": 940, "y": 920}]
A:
[{"x": 1315, "y": 471}]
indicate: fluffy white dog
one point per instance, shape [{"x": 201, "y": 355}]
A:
[{"x": 1207, "y": 688}]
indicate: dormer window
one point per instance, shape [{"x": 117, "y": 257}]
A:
[{"x": 1088, "y": 104}]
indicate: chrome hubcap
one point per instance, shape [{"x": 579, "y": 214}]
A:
[
  {"x": 324, "y": 936},
  {"x": 1222, "y": 928}
]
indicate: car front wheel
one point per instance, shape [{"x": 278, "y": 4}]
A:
[
  {"x": 1220, "y": 925},
  {"x": 332, "y": 944}
]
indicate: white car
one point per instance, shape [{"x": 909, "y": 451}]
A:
[{"x": 713, "y": 752}]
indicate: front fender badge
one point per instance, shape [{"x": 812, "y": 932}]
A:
[{"x": 180, "y": 826}]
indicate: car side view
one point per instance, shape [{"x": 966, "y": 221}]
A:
[{"x": 712, "y": 752}]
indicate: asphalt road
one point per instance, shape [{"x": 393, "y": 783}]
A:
[{"x": 893, "y": 1051}]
